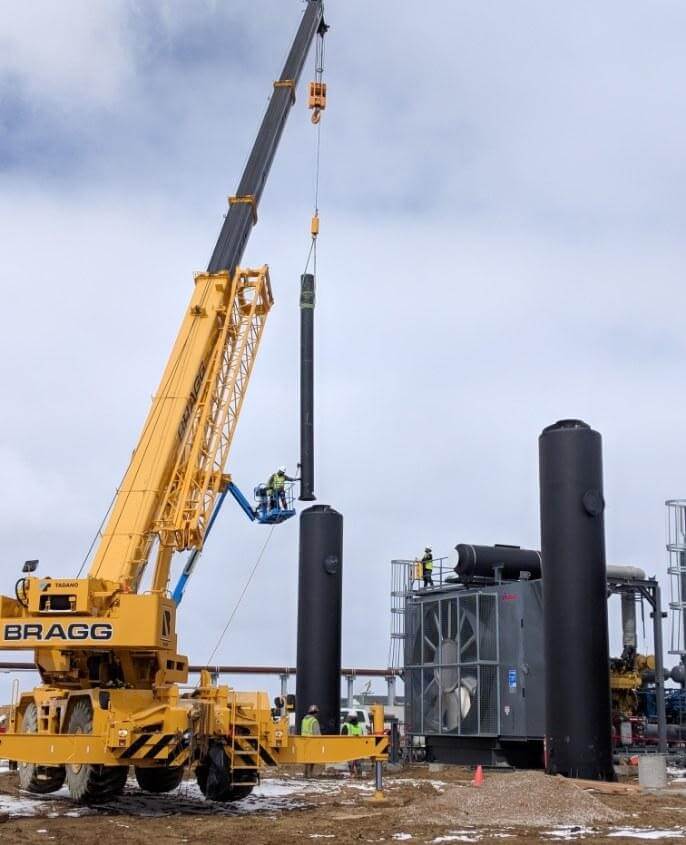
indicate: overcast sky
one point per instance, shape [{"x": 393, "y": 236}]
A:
[{"x": 502, "y": 246}]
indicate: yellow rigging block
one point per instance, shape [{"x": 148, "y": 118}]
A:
[{"x": 317, "y": 100}]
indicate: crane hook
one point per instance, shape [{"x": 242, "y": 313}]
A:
[{"x": 317, "y": 100}]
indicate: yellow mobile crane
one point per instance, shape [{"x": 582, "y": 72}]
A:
[{"x": 112, "y": 692}]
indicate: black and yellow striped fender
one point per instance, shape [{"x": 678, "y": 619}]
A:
[{"x": 171, "y": 749}]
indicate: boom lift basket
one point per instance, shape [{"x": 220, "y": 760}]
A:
[{"x": 269, "y": 510}]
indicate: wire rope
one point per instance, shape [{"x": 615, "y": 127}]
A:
[{"x": 242, "y": 595}]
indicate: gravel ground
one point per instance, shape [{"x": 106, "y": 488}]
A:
[
  {"x": 520, "y": 798},
  {"x": 424, "y": 807}
]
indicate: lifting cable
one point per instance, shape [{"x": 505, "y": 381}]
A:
[
  {"x": 242, "y": 595},
  {"x": 98, "y": 534},
  {"x": 151, "y": 424},
  {"x": 317, "y": 102}
]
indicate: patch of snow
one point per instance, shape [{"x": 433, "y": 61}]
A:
[
  {"x": 363, "y": 787},
  {"x": 569, "y": 831},
  {"x": 458, "y": 836},
  {"x": 647, "y": 833},
  {"x": 271, "y": 796},
  {"x": 402, "y": 837}
]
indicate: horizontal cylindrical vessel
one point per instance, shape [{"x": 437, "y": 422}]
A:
[
  {"x": 577, "y": 683},
  {"x": 675, "y": 733},
  {"x": 320, "y": 585},
  {"x": 628, "y": 573},
  {"x": 481, "y": 561}
]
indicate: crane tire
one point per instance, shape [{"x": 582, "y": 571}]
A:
[
  {"x": 234, "y": 792},
  {"x": 34, "y": 778},
  {"x": 89, "y": 783},
  {"x": 159, "y": 780}
]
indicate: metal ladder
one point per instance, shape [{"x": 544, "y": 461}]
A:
[
  {"x": 676, "y": 549},
  {"x": 245, "y": 746},
  {"x": 402, "y": 574}
]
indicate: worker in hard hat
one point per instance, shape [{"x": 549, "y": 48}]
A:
[
  {"x": 352, "y": 727},
  {"x": 276, "y": 488},
  {"x": 427, "y": 567},
  {"x": 310, "y": 727}
]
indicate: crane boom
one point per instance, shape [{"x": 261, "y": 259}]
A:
[
  {"x": 242, "y": 214},
  {"x": 176, "y": 472}
]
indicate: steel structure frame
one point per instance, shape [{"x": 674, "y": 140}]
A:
[{"x": 649, "y": 589}]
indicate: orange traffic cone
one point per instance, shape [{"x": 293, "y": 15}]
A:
[{"x": 479, "y": 779}]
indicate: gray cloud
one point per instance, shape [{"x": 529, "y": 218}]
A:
[{"x": 502, "y": 205}]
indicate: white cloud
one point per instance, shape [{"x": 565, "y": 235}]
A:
[
  {"x": 67, "y": 51},
  {"x": 493, "y": 257}
]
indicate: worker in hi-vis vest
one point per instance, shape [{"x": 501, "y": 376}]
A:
[
  {"x": 427, "y": 567},
  {"x": 352, "y": 727},
  {"x": 310, "y": 727},
  {"x": 276, "y": 488}
]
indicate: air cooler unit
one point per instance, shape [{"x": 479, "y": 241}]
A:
[{"x": 474, "y": 672}]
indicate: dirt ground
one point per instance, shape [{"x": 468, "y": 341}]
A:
[{"x": 420, "y": 807}]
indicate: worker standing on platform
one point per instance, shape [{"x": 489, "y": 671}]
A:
[
  {"x": 352, "y": 727},
  {"x": 310, "y": 727},
  {"x": 276, "y": 488},
  {"x": 427, "y": 567}
]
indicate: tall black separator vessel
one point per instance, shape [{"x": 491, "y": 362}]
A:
[{"x": 577, "y": 686}]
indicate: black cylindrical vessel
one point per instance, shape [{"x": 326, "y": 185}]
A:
[
  {"x": 578, "y": 730},
  {"x": 320, "y": 583},
  {"x": 307, "y": 297},
  {"x": 481, "y": 561}
]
